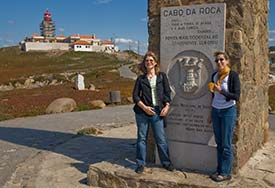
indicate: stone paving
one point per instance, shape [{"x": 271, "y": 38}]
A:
[
  {"x": 258, "y": 172},
  {"x": 113, "y": 151},
  {"x": 65, "y": 165},
  {"x": 26, "y": 139}
]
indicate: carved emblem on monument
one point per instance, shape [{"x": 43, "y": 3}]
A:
[
  {"x": 191, "y": 71},
  {"x": 190, "y": 76}
]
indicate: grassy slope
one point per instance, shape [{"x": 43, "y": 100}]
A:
[{"x": 16, "y": 65}]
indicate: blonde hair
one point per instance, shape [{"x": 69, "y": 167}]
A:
[{"x": 142, "y": 67}]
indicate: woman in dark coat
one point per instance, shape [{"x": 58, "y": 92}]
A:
[{"x": 151, "y": 96}]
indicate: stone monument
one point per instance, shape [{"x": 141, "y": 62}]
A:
[
  {"x": 185, "y": 33},
  {"x": 189, "y": 35},
  {"x": 185, "y": 49}
]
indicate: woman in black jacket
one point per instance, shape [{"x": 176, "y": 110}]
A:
[
  {"x": 151, "y": 96},
  {"x": 225, "y": 87}
]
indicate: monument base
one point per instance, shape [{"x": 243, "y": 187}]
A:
[
  {"x": 193, "y": 157},
  {"x": 106, "y": 175}
]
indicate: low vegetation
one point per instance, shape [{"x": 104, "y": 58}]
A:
[
  {"x": 89, "y": 131},
  {"x": 99, "y": 69}
]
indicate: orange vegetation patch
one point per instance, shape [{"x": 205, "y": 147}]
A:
[{"x": 31, "y": 102}]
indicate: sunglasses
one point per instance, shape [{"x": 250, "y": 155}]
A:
[{"x": 217, "y": 60}]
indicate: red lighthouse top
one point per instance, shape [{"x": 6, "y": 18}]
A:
[{"x": 47, "y": 16}]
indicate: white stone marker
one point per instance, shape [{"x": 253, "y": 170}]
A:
[{"x": 79, "y": 82}]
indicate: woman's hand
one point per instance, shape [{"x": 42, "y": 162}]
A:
[
  {"x": 217, "y": 87},
  {"x": 149, "y": 110},
  {"x": 165, "y": 110}
]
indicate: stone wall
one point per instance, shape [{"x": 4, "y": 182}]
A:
[
  {"x": 246, "y": 42},
  {"x": 28, "y": 46}
]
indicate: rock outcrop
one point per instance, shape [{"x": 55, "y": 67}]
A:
[{"x": 61, "y": 105}]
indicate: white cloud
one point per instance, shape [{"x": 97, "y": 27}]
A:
[
  {"x": 144, "y": 19},
  {"x": 61, "y": 29},
  {"x": 102, "y": 1},
  {"x": 271, "y": 39},
  {"x": 129, "y": 44},
  {"x": 124, "y": 41},
  {"x": 144, "y": 45},
  {"x": 271, "y": 31},
  {"x": 11, "y": 22},
  {"x": 6, "y": 42}
]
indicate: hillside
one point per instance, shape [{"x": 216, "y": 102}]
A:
[
  {"x": 57, "y": 70},
  {"x": 59, "y": 67}
]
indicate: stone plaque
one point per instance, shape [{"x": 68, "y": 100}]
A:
[{"x": 189, "y": 37}]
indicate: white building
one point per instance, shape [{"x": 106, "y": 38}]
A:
[
  {"x": 109, "y": 46},
  {"x": 76, "y": 42},
  {"x": 82, "y": 46}
]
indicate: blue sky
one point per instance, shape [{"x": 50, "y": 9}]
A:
[
  {"x": 123, "y": 20},
  {"x": 271, "y": 22}
]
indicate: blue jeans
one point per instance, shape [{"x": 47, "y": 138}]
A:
[
  {"x": 143, "y": 121},
  {"x": 223, "y": 121}
]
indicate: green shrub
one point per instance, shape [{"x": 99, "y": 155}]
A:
[
  {"x": 90, "y": 130},
  {"x": 83, "y": 107}
]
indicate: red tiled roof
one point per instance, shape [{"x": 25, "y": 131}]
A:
[
  {"x": 84, "y": 36},
  {"x": 106, "y": 42},
  {"x": 81, "y": 42},
  {"x": 35, "y": 35},
  {"x": 61, "y": 36},
  {"x": 87, "y": 37}
]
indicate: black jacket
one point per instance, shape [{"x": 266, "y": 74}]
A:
[
  {"x": 234, "y": 86},
  {"x": 142, "y": 91}
]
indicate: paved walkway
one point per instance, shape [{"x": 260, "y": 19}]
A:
[
  {"x": 44, "y": 151},
  {"x": 125, "y": 72},
  {"x": 26, "y": 140}
]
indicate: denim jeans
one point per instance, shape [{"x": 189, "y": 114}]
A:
[
  {"x": 223, "y": 121},
  {"x": 143, "y": 121}
]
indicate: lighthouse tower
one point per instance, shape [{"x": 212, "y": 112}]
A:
[{"x": 47, "y": 26}]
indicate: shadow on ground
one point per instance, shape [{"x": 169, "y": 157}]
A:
[{"x": 85, "y": 149}]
